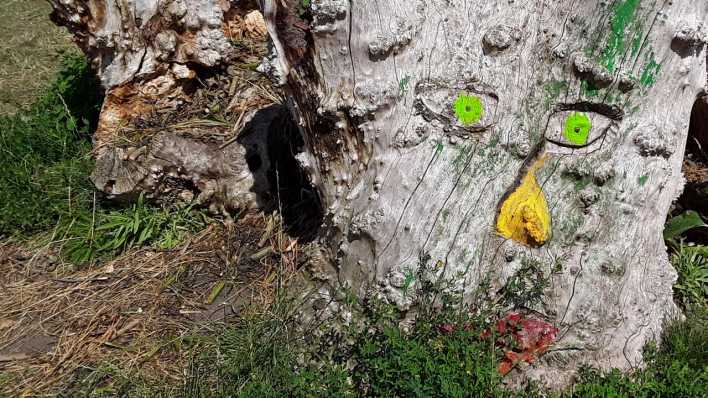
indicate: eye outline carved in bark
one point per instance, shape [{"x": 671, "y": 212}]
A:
[
  {"x": 614, "y": 113},
  {"x": 452, "y": 127}
]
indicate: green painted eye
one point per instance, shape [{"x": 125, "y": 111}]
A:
[
  {"x": 468, "y": 109},
  {"x": 577, "y": 128}
]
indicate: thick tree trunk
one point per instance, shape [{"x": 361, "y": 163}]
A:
[
  {"x": 179, "y": 93},
  {"x": 523, "y": 153},
  {"x": 531, "y": 145}
]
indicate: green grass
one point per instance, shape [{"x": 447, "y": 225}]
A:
[
  {"x": 31, "y": 49},
  {"x": 442, "y": 355},
  {"x": 427, "y": 363},
  {"x": 46, "y": 153},
  {"x": 678, "y": 369},
  {"x": 691, "y": 263},
  {"x": 262, "y": 357},
  {"x": 108, "y": 232},
  {"x": 108, "y": 379}
]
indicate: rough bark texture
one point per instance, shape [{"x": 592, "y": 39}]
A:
[
  {"x": 179, "y": 119},
  {"x": 413, "y": 189}
]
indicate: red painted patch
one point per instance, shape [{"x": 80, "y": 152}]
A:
[
  {"x": 523, "y": 340},
  {"x": 447, "y": 328}
]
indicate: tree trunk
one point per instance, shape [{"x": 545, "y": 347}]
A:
[
  {"x": 506, "y": 148},
  {"x": 176, "y": 123},
  {"x": 524, "y": 153}
]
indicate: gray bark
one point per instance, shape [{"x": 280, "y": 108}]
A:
[
  {"x": 409, "y": 190},
  {"x": 402, "y": 181}
]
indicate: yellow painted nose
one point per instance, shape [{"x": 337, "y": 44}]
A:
[{"x": 524, "y": 215}]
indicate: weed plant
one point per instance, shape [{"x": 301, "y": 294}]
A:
[
  {"x": 691, "y": 263},
  {"x": 105, "y": 233},
  {"x": 442, "y": 355}
]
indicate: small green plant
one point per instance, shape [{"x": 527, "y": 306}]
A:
[
  {"x": 687, "y": 341},
  {"x": 403, "y": 86},
  {"x": 438, "y": 359},
  {"x": 409, "y": 279},
  {"x": 107, "y": 232},
  {"x": 676, "y": 226},
  {"x": 663, "y": 377},
  {"x": 691, "y": 263},
  {"x": 303, "y": 8},
  {"x": 525, "y": 288}
]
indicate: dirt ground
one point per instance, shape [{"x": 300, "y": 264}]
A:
[{"x": 135, "y": 311}]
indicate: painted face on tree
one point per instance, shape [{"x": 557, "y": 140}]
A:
[
  {"x": 480, "y": 135},
  {"x": 572, "y": 130},
  {"x": 462, "y": 140}
]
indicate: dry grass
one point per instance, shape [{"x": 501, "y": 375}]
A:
[
  {"x": 695, "y": 172},
  {"x": 136, "y": 309},
  {"x": 30, "y": 51}
]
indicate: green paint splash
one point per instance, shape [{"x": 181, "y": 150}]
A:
[
  {"x": 468, "y": 109},
  {"x": 589, "y": 89},
  {"x": 637, "y": 42},
  {"x": 461, "y": 157},
  {"x": 403, "y": 85},
  {"x": 623, "y": 16},
  {"x": 577, "y": 128},
  {"x": 643, "y": 180},
  {"x": 651, "y": 70}
]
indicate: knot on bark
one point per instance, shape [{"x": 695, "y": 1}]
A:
[
  {"x": 499, "y": 38},
  {"x": 383, "y": 46},
  {"x": 591, "y": 72},
  {"x": 326, "y": 13},
  {"x": 654, "y": 145}
]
